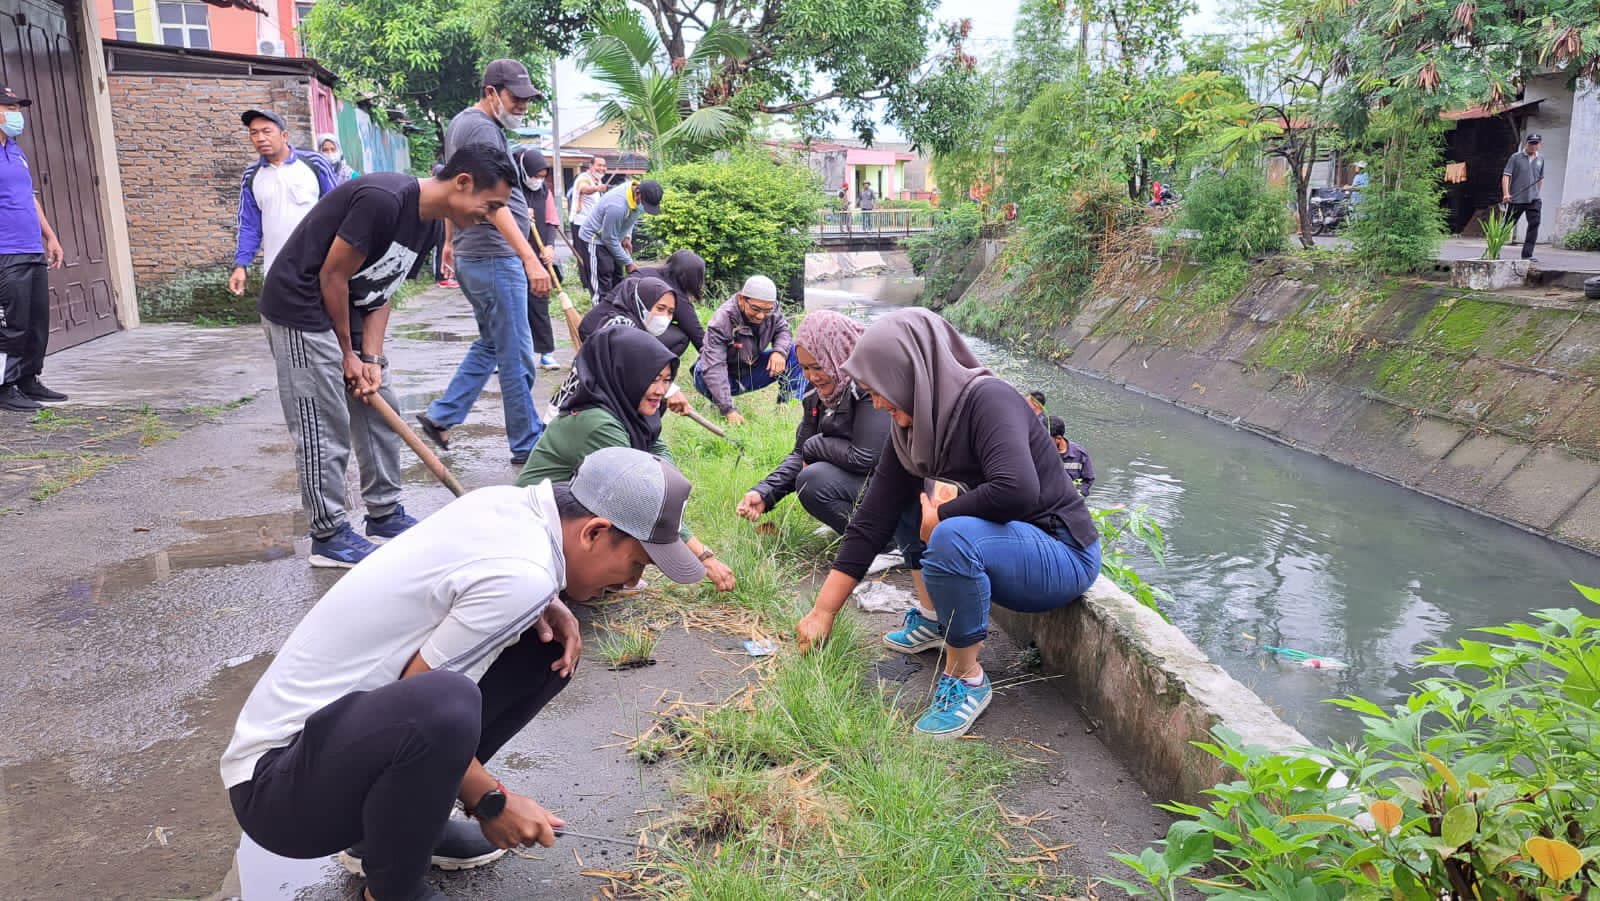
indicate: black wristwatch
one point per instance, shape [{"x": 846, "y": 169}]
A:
[
  {"x": 491, "y": 805},
  {"x": 380, "y": 359}
]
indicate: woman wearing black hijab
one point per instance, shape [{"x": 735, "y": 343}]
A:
[
  {"x": 647, "y": 306},
  {"x": 685, "y": 274},
  {"x": 621, "y": 380}
]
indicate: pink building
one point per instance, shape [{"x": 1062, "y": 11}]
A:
[{"x": 251, "y": 27}]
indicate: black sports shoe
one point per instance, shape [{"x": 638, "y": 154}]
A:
[
  {"x": 424, "y": 892},
  {"x": 36, "y": 390},
  {"x": 433, "y": 431},
  {"x": 13, "y": 399},
  {"x": 460, "y": 847},
  {"x": 519, "y": 459}
]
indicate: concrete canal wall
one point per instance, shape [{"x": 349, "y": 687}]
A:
[{"x": 1488, "y": 401}]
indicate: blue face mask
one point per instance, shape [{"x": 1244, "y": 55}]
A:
[{"x": 11, "y": 124}]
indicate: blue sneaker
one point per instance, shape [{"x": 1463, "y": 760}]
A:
[
  {"x": 956, "y": 706},
  {"x": 918, "y": 633},
  {"x": 341, "y": 550},
  {"x": 383, "y": 528}
]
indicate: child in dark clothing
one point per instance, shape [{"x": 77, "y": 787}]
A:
[{"x": 1073, "y": 457}]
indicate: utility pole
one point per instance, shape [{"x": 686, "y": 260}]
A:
[{"x": 555, "y": 145}]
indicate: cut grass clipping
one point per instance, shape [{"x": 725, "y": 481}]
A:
[{"x": 810, "y": 784}]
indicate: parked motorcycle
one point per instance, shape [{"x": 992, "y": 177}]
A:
[{"x": 1329, "y": 209}]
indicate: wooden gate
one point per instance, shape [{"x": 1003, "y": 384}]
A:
[{"x": 39, "y": 59}]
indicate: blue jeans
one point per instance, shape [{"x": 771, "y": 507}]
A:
[
  {"x": 970, "y": 563},
  {"x": 497, "y": 288},
  {"x": 744, "y": 379}
]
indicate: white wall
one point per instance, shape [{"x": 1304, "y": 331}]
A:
[
  {"x": 1581, "y": 181},
  {"x": 1552, "y": 121}
]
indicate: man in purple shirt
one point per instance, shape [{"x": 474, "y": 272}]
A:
[{"x": 27, "y": 245}]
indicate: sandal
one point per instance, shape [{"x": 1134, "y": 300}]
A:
[{"x": 432, "y": 430}]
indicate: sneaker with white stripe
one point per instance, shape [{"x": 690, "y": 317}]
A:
[
  {"x": 956, "y": 706},
  {"x": 917, "y": 633}
]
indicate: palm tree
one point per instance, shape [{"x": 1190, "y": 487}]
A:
[{"x": 659, "y": 104}]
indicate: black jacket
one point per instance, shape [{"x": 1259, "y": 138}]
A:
[{"x": 850, "y": 438}]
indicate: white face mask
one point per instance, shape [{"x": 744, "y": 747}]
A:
[
  {"x": 507, "y": 119},
  {"x": 332, "y": 156},
  {"x": 656, "y": 325}
]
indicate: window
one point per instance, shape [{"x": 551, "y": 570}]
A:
[
  {"x": 301, "y": 10},
  {"x": 184, "y": 25},
  {"x": 127, "y": 30}
]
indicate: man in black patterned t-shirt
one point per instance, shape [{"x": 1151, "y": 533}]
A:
[{"x": 325, "y": 307}]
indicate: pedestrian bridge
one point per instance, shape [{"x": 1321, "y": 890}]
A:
[{"x": 869, "y": 229}]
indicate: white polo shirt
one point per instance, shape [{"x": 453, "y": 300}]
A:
[
  {"x": 285, "y": 193},
  {"x": 460, "y": 587}
]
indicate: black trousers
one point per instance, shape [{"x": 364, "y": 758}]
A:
[
  {"x": 828, "y": 493},
  {"x": 544, "y": 336},
  {"x": 1532, "y": 211},
  {"x": 604, "y": 270},
  {"x": 383, "y": 767},
  {"x": 24, "y": 315},
  {"x": 675, "y": 339}
]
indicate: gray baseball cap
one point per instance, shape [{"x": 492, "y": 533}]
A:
[
  {"x": 644, "y": 496},
  {"x": 759, "y": 287},
  {"x": 513, "y": 76}
]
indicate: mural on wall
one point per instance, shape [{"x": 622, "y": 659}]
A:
[{"x": 367, "y": 146}]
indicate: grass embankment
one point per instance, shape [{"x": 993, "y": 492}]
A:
[{"x": 811, "y": 784}]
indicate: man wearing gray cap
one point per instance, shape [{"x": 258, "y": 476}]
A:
[
  {"x": 383, "y": 706},
  {"x": 1519, "y": 187},
  {"x": 748, "y": 346},
  {"x": 497, "y": 269},
  {"x": 607, "y": 234}
]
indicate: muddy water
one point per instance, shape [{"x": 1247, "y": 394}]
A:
[{"x": 1272, "y": 546}]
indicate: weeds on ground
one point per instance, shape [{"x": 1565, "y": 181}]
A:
[
  {"x": 48, "y": 420},
  {"x": 810, "y": 783},
  {"x": 213, "y": 412},
  {"x": 627, "y": 647},
  {"x": 88, "y": 465}
]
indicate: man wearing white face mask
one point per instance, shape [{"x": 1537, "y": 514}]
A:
[
  {"x": 497, "y": 268},
  {"x": 27, "y": 246}
]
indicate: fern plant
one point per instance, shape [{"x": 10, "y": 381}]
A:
[{"x": 1496, "y": 233}]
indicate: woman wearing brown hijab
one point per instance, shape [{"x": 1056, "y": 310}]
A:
[{"x": 1017, "y": 535}]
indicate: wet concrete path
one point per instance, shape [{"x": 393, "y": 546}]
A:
[{"x": 142, "y": 604}]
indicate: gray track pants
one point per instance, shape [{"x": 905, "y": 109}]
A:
[{"x": 324, "y": 420}]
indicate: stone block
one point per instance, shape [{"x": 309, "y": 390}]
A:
[
  {"x": 1582, "y": 525},
  {"x": 1580, "y": 427},
  {"x": 1321, "y": 415},
  {"x": 1535, "y": 405},
  {"x": 1169, "y": 371},
  {"x": 1548, "y": 482},
  {"x": 1475, "y": 467},
  {"x": 1488, "y": 275},
  {"x": 1130, "y": 367},
  {"x": 1109, "y": 352},
  {"x": 1228, "y": 389},
  {"x": 1152, "y": 690},
  {"x": 1371, "y": 439}
]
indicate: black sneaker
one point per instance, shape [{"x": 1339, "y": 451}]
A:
[
  {"x": 432, "y": 430},
  {"x": 424, "y": 892},
  {"x": 519, "y": 459},
  {"x": 36, "y": 390},
  {"x": 13, "y": 399},
  {"x": 460, "y": 847}
]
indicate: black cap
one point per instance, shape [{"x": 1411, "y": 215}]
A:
[
  {"x": 9, "y": 96},
  {"x": 250, "y": 115},
  {"x": 1535, "y": 138},
  {"x": 513, "y": 76},
  {"x": 649, "y": 196}
]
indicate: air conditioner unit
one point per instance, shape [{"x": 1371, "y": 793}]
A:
[{"x": 273, "y": 48}]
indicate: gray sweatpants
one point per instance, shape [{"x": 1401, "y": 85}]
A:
[{"x": 324, "y": 420}]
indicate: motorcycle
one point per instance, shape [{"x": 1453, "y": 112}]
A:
[{"x": 1329, "y": 209}]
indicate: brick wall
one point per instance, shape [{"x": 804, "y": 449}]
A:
[{"x": 182, "y": 151}]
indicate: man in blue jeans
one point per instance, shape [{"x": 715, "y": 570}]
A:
[
  {"x": 497, "y": 269},
  {"x": 748, "y": 346}
]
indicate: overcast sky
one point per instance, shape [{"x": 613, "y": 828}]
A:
[{"x": 992, "y": 21}]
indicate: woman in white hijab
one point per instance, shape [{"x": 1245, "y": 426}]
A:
[{"x": 329, "y": 145}]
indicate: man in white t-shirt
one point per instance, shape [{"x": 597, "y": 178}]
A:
[
  {"x": 386, "y": 701},
  {"x": 587, "y": 189}
]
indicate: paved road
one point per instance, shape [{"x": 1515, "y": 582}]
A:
[{"x": 142, "y": 605}]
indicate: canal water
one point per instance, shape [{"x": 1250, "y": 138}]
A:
[{"x": 1267, "y": 545}]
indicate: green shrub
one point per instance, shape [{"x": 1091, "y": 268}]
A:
[
  {"x": 747, "y": 215},
  {"x": 1398, "y": 225},
  {"x": 1481, "y": 784},
  {"x": 1234, "y": 214},
  {"x": 423, "y": 145},
  {"x": 1584, "y": 237},
  {"x": 201, "y": 296},
  {"x": 905, "y": 204}
]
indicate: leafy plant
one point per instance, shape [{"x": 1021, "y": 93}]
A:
[
  {"x": 942, "y": 255},
  {"x": 657, "y": 103},
  {"x": 1398, "y": 224},
  {"x": 623, "y": 648},
  {"x": 1584, "y": 237},
  {"x": 1124, "y": 530},
  {"x": 750, "y": 214},
  {"x": 1481, "y": 784},
  {"x": 1497, "y": 227},
  {"x": 1234, "y": 213}
]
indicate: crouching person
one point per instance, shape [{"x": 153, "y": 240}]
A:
[
  {"x": 1018, "y": 536},
  {"x": 389, "y": 698},
  {"x": 840, "y": 432}
]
